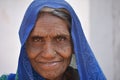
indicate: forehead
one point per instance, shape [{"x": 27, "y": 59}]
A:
[{"x": 50, "y": 24}]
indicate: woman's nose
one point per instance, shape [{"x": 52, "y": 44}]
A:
[{"x": 48, "y": 51}]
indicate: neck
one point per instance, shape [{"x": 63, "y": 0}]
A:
[{"x": 58, "y": 78}]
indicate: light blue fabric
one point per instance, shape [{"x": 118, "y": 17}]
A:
[{"x": 87, "y": 65}]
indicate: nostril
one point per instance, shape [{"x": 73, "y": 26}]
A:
[{"x": 48, "y": 54}]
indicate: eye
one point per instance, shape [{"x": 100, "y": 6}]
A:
[
  {"x": 60, "y": 38},
  {"x": 37, "y": 39}
]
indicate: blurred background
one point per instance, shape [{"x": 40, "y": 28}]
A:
[{"x": 100, "y": 20}]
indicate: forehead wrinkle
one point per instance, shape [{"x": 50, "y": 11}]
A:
[
  {"x": 51, "y": 26},
  {"x": 58, "y": 33},
  {"x": 49, "y": 33}
]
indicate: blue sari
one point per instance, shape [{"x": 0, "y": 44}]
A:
[{"x": 87, "y": 65}]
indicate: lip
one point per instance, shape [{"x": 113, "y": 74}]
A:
[
  {"x": 48, "y": 65},
  {"x": 49, "y": 62}
]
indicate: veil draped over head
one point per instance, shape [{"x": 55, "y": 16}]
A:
[{"x": 87, "y": 65}]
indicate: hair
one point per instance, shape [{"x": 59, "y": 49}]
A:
[{"x": 59, "y": 12}]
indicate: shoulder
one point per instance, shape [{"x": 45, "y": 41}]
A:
[
  {"x": 8, "y": 77},
  {"x": 4, "y": 77}
]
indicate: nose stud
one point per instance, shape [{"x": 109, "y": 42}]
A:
[{"x": 55, "y": 53}]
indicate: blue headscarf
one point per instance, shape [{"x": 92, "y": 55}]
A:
[{"x": 87, "y": 65}]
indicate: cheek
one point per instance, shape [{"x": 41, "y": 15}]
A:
[
  {"x": 66, "y": 54},
  {"x": 64, "y": 51},
  {"x": 32, "y": 52}
]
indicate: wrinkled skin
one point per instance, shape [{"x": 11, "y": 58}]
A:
[{"x": 49, "y": 47}]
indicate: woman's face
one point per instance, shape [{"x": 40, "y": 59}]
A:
[{"x": 49, "y": 47}]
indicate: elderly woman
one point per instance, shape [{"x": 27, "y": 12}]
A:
[{"x": 50, "y": 33}]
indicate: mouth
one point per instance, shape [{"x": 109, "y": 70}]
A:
[{"x": 50, "y": 65}]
